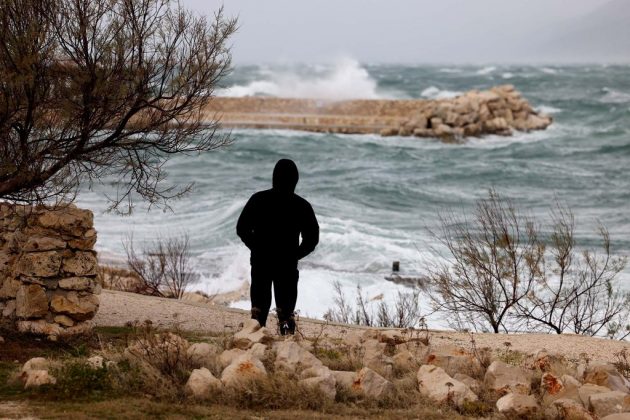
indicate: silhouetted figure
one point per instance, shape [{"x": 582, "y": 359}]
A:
[{"x": 270, "y": 225}]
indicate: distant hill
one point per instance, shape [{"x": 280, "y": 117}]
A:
[{"x": 602, "y": 35}]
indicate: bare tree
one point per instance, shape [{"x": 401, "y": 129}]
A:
[
  {"x": 579, "y": 294},
  {"x": 164, "y": 266},
  {"x": 91, "y": 88},
  {"x": 495, "y": 259}
]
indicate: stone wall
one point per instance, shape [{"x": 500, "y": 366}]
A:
[
  {"x": 48, "y": 270},
  {"x": 500, "y": 110}
]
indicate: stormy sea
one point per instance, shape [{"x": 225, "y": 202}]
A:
[{"x": 377, "y": 199}]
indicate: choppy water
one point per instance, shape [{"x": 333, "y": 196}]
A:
[{"x": 375, "y": 197}]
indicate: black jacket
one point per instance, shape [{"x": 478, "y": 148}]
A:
[{"x": 272, "y": 221}]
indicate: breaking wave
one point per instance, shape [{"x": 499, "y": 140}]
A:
[{"x": 345, "y": 80}]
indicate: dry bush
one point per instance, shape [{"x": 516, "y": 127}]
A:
[
  {"x": 579, "y": 293},
  {"x": 405, "y": 312},
  {"x": 502, "y": 275},
  {"x": 164, "y": 266},
  {"x": 622, "y": 362},
  {"x": 495, "y": 259},
  {"x": 164, "y": 351}
]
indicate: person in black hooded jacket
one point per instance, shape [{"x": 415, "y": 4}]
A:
[{"x": 270, "y": 225}]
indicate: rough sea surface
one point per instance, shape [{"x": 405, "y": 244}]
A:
[{"x": 377, "y": 198}]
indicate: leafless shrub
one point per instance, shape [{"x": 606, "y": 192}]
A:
[
  {"x": 579, "y": 292},
  {"x": 164, "y": 266},
  {"x": 502, "y": 271},
  {"x": 404, "y": 314},
  {"x": 94, "y": 88},
  {"x": 496, "y": 258},
  {"x": 164, "y": 351}
]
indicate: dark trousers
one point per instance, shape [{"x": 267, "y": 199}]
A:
[{"x": 285, "y": 290}]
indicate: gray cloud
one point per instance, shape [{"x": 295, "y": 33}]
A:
[{"x": 419, "y": 31}]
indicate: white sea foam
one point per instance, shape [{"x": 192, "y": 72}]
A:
[
  {"x": 345, "y": 80},
  {"x": 486, "y": 70},
  {"x": 549, "y": 70},
  {"x": 433, "y": 92},
  {"x": 613, "y": 96},
  {"x": 450, "y": 70},
  {"x": 548, "y": 109},
  {"x": 507, "y": 75}
]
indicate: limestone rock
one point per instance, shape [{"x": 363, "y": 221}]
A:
[
  {"x": 291, "y": 357},
  {"x": 70, "y": 220},
  {"x": 251, "y": 333},
  {"x": 544, "y": 361},
  {"x": 202, "y": 354},
  {"x": 242, "y": 369},
  {"x": 470, "y": 382},
  {"x": 405, "y": 361},
  {"x": 82, "y": 263},
  {"x": 31, "y": 302},
  {"x": 39, "y": 264},
  {"x": 64, "y": 320},
  {"x": 605, "y": 374},
  {"x": 36, "y": 363},
  {"x": 569, "y": 409},
  {"x": 76, "y": 307},
  {"x": 9, "y": 309},
  {"x": 37, "y": 378},
  {"x": 258, "y": 350},
  {"x": 554, "y": 388},
  {"x": 201, "y": 383},
  {"x": 374, "y": 356},
  {"x": 372, "y": 384},
  {"x": 389, "y": 131},
  {"x": 453, "y": 359},
  {"x": 43, "y": 243},
  {"x": 620, "y": 416},
  {"x": 9, "y": 288},
  {"x": 344, "y": 378},
  {"x": 77, "y": 283},
  {"x": 503, "y": 379},
  {"x": 436, "y": 384},
  {"x": 96, "y": 362},
  {"x": 80, "y": 328},
  {"x": 228, "y": 356},
  {"x": 609, "y": 403},
  {"x": 586, "y": 390},
  {"x": 322, "y": 378},
  {"x": 515, "y": 405},
  {"x": 39, "y": 327}
]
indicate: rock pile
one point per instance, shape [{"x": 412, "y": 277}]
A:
[
  {"x": 499, "y": 110},
  {"x": 48, "y": 270}
]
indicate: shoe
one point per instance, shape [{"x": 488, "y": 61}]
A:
[{"x": 285, "y": 329}]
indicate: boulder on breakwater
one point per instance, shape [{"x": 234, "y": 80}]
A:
[{"x": 500, "y": 110}]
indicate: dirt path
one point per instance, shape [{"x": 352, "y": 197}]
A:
[{"x": 118, "y": 308}]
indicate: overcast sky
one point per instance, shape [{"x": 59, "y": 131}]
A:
[{"x": 399, "y": 31}]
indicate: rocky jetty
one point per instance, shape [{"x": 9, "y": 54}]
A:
[
  {"x": 500, "y": 110},
  {"x": 48, "y": 268}
]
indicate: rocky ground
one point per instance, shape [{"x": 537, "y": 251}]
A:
[{"x": 154, "y": 357}]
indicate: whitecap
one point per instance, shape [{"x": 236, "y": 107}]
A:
[
  {"x": 486, "y": 70},
  {"x": 548, "y": 109},
  {"x": 450, "y": 70},
  {"x": 613, "y": 96},
  {"x": 433, "y": 92},
  {"x": 549, "y": 70},
  {"x": 507, "y": 75}
]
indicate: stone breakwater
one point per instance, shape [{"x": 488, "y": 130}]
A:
[
  {"x": 500, "y": 110},
  {"x": 48, "y": 270}
]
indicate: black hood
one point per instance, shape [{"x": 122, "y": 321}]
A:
[{"x": 285, "y": 176}]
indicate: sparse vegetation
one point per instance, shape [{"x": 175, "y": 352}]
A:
[
  {"x": 164, "y": 267},
  {"x": 502, "y": 275},
  {"x": 404, "y": 313}
]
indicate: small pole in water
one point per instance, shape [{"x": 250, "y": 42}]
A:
[{"x": 396, "y": 266}]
